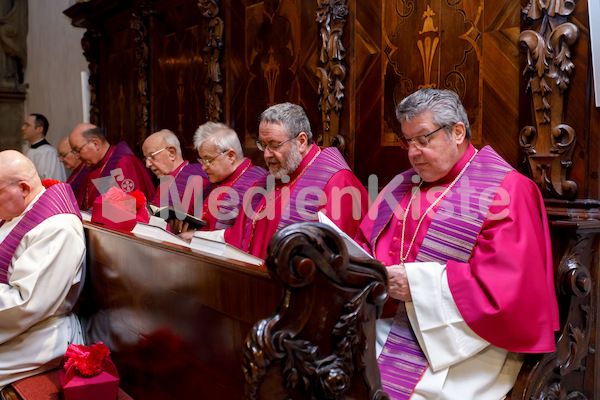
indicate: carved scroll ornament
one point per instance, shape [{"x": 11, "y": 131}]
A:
[
  {"x": 558, "y": 375},
  {"x": 549, "y": 144},
  {"x": 331, "y": 16},
  {"x": 328, "y": 298},
  {"x": 140, "y": 34},
  {"x": 213, "y": 93},
  {"x": 89, "y": 46}
]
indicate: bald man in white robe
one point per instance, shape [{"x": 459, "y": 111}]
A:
[{"x": 42, "y": 255}]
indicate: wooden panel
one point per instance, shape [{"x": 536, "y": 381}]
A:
[
  {"x": 118, "y": 88},
  {"x": 270, "y": 59},
  {"x": 435, "y": 44},
  {"x": 174, "y": 320},
  {"x": 368, "y": 104},
  {"x": 501, "y": 75},
  {"x": 178, "y": 71}
]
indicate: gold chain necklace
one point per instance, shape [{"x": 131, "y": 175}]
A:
[
  {"x": 444, "y": 193},
  {"x": 255, "y": 215}
]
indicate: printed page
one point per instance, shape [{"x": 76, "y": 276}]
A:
[{"x": 354, "y": 249}]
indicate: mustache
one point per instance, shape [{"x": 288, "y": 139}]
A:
[{"x": 272, "y": 160}]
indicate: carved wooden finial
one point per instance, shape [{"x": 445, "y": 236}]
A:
[
  {"x": 331, "y": 16},
  {"x": 140, "y": 38},
  {"x": 549, "y": 143},
  {"x": 213, "y": 92},
  {"x": 320, "y": 344}
]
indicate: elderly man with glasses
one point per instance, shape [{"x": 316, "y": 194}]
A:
[
  {"x": 79, "y": 172},
  {"x": 109, "y": 165},
  {"x": 182, "y": 185},
  {"x": 222, "y": 157},
  {"x": 304, "y": 179},
  {"x": 42, "y": 255},
  {"x": 466, "y": 241}
]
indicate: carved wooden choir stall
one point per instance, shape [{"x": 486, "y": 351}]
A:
[{"x": 522, "y": 68}]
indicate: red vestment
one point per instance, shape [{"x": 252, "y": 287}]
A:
[
  {"x": 345, "y": 210},
  {"x": 132, "y": 175}
]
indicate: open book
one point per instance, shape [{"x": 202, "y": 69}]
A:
[
  {"x": 204, "y": 244},
  {"x": 157, "y": 234},
  {"x": 354, "y": 249},
  {"x": 170, "y": 212}
]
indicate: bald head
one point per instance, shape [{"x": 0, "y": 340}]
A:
[
  {"x": 19, "y": 184},
  {"x": 69, "y": 160},
  {"x": 162, "y": 152},
  {"x": 81, "y": 128},
  {"x": 88, "y": 143},
  {"x": 14, "y": 165}
]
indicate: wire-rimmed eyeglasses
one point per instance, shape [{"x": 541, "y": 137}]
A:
[
  {"x": 207, "y": 162},
  {"x": 273, "y": 147},
  {"x": 419, "y": 142},
  {"x": 150, "y": 157},
  {"x": 10, "y": 184},
  {"x": 77, "y": 150}
]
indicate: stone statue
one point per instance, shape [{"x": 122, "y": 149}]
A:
[{"x": 13, "y": 44}]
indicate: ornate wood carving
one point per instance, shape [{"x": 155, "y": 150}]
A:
[
  {"x": 558, "y": 375},
  {"x": 320, "y": 343},
  {"x": 550, "y": 142},
  {"x": 90, "y": 51},
  {"x": 331, "y": 16},
  {"x": 140, "y": 38},
  {"x": 213, "y": 49}
]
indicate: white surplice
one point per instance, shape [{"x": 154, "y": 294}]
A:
[
  {"x": 462, "y": 365},
  {"x": 45, "y": 279},
  {"x": 47, "y": 164}
]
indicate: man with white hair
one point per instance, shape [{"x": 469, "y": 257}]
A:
[
  {"x": 179, "y": 180},
  {"x": 42, "y": 253},
  {"x": 222, "y": 158}
]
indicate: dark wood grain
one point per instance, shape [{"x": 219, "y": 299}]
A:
[{"x": 175, "y": 320}]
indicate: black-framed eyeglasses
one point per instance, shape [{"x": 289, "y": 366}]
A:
[
  {"x": 263, "y": 146},
  {"x": 207, "y": 162},
  {"x": 419, "y": 142},
  {"x": 76, "y": 150},
  {"x": 10, "y": 184},
  {"x": 150, "y": 157}
]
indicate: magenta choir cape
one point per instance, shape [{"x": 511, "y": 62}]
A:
[
  {"x": 186, "y": 178},
  {"x": 329, "y": 161},
  {"x": 135, "y": 175},
  {"x": 493, "y": 312},
  {"x": 248, "y": 175}
]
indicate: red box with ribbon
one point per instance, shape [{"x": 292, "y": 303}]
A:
[{"x": 89, "y": 374}]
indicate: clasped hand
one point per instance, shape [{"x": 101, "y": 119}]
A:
[
  {"x": 398, "y": 282},
  {"x": 181, "y": 229}
]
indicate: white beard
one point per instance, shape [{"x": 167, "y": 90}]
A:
[{"x": 289, "y": 164}]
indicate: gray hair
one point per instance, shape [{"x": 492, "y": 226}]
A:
[
  {"x": 95, "y": 133},
  {"x": 223, "y": 137},
  {"x": 291, "y": 116},
  {"x": 170, "y": 139},
  {"x": 445, "y": 105}
]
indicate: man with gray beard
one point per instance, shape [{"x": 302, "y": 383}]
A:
[{"x": 304, "y": 179}]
